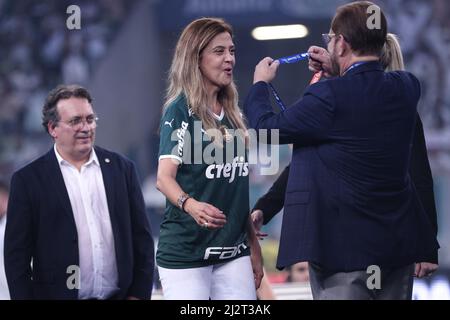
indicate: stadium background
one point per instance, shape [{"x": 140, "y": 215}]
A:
[{"x": 122, "y": 54}]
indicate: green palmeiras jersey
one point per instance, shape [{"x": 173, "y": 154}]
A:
[{"x": 208, "y": 172}]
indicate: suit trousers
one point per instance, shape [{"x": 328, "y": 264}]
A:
[{"x": 395, "y": 284}]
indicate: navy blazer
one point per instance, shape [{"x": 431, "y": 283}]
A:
[
  {"x": 350, "y": 202},
  {"x": 273, "y": 200},
  {"x": 41, "y": 228}
]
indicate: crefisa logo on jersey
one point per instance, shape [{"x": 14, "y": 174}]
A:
[
  {"x": 224, "y": 252},
  {"x": 228, "y": 170}
]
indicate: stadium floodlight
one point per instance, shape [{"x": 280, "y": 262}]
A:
[{"x": 291, "y": 31}]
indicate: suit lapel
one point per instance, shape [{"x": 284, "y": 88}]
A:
[{"x": 53, "y": 171}]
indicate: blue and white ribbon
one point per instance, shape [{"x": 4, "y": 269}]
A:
[{"x": 295, "y": 58}]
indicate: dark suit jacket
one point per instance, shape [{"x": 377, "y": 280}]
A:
[
  {"x": 350, "y": 201},
  {"x": 41, "y": 228},
  {"x": 273, "y": 200}
]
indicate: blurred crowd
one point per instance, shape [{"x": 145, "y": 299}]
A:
[
  {"x": 424, "y": 31},
  {"x": 37, "y": 53}
]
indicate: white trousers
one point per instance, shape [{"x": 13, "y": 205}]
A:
[{"x": 231, "y": 280}]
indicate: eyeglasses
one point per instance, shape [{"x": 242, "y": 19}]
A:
[
  {"x": 326, "y": 37},
  {"x": 77, "y": 123}
]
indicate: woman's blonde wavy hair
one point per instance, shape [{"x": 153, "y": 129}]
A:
[{"x": 186, "y": 78}]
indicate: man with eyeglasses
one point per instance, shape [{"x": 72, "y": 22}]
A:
[
  {"x": 77, "y": 227},
  {"x": 351, "y": 209}
]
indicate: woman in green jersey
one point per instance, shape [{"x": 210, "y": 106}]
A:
[{"x": 207, "y": 247}]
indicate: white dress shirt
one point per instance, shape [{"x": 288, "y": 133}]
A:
[
  {"x": 4, "y": 292},
  {"x": 98, "y": 266}
]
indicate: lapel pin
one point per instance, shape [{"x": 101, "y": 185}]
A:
[{"x": 107, "y": 160}]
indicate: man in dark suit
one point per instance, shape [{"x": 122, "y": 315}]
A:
[
  {"x": 350, "y": 203},
  {"x": 77, "y": 227},
  {"x": 268, "y": 205}
]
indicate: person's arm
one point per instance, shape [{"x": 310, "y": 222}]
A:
[
  {"x": 255, "y": 253},
  {"x": 203, "y": 213},
  {"x": 307, "y": 122},
  {"x": 422, "y": 179},
  {"x": 273, "y": 201},
  {"x": 143, "y": 247},
  {"x": 18, "y": 241},
  {"x": 421, "y": 176}
]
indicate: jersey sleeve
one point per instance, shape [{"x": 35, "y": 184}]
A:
[{"x": 173, "y": 128}]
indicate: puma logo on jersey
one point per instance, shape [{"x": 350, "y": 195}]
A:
[
  {"x": 180, "y": 134},
  {"x": 169, "y": 122},
  {"x": 228, "y": 170},
  {"x": 224, "y": 252}
]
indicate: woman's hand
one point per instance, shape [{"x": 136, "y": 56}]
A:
[
  {"x": 206, "y": 215},
  {"x": 266, "y": 70}
]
